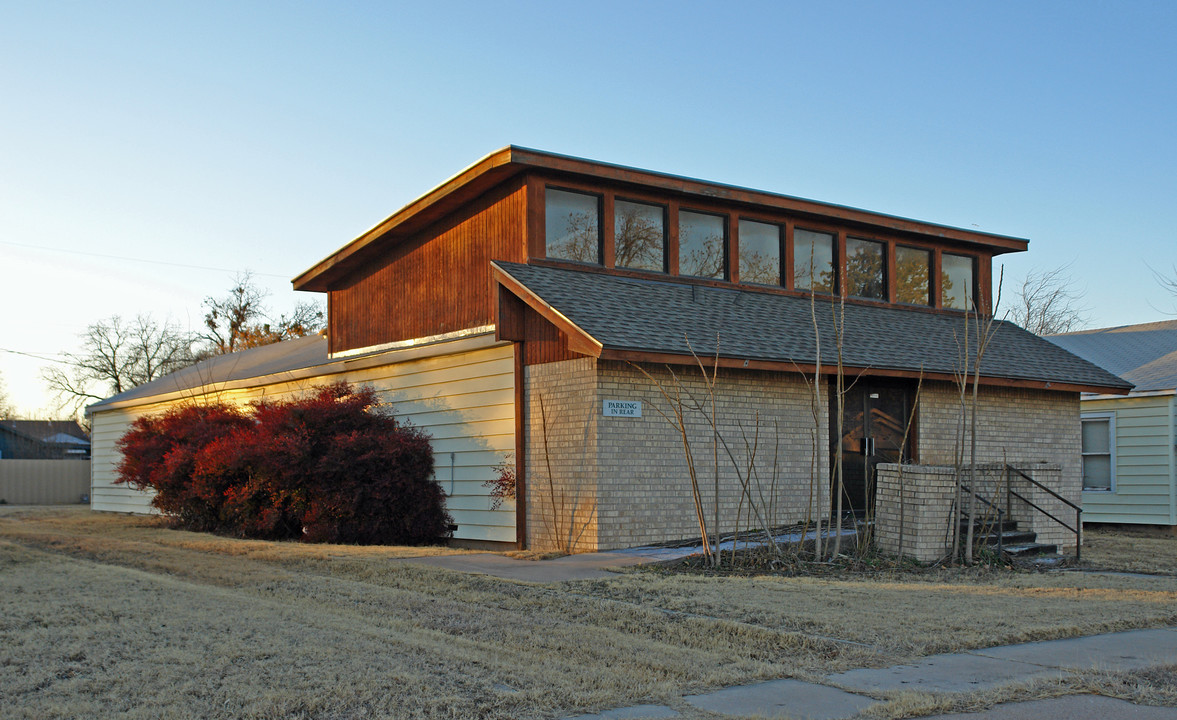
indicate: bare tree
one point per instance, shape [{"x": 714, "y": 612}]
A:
[
  {"x": 1169, "y": 284},
  {"x": 116, "y": 356},
  {"x": 6, "y": 408},
  {"x": 1048, "y": 303},
  {"x": 241, "y": 319}
]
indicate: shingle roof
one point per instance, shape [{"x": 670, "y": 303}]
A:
[
  {"x": 625, "y": 313},
  {"x": 1145, "y": 355},
  {"x": 47, "y": 430},
  {"x": 255, "y": 362}
]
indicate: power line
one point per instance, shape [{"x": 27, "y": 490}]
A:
[
  {"x": 34, "y": 355},
  {"x": 134, "y": 259}
]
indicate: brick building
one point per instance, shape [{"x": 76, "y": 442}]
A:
[{"x": 562, "y": 312}]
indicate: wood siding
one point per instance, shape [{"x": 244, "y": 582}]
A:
[
  {"x": 464, "y": 401},
  {"x": 544, "y": 342},
  {"x": 1146, "y": 467},
  {"x": 434, "y": 282}
]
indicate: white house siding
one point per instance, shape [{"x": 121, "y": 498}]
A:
[
  {"x": 464, "y": 400},
  {"x": 1146, "y": 469}
]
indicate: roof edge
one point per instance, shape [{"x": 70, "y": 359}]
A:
[{"x": 509, "y": 161}]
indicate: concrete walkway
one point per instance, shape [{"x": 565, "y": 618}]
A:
[{"x": 843, "y": 695}]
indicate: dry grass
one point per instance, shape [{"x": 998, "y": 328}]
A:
[
  {"x": 118, "y": 615},
  {"x": 910, "y": 617},
  {"x": 1130, "y": 549},
  {"x": 114, "y": 615},
  {"x": 1154, "y": 686}
]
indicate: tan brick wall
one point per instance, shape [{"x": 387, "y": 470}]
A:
[
  {"x": 561, "y": 443},
  {"x": 1025, "y": 426},
  {"x": 624, "y": 481},
  {"x": 644, "y": 481},
  {"x": 922, "y": 521}
]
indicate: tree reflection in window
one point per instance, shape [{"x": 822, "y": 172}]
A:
[
  {"x": 760, "y": 253},
  {"x": 701, "y": 245},
  {"x": 913, "y": 275},
  {"x": 639, "y": 236},
  {"x": 956, "y": 282},
  {"x": 572, "y": 227},
  {"x": 813, "y": 261},
  {"x": 864, "y": 269}
]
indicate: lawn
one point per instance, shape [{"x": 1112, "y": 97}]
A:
[{"x": 115, "y": 615}]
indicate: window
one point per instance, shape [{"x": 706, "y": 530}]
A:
[
  {"x": 1099, "y": 466},
  {"x": 702, "y": 245},
  {"x": 813, "y": 261},
  {"x": 572, "y": 226},
  {"x": 865, "y": 268},
  {"x": 639, "y": 236},
  {"x": 760, "y": 253},
  {"x": 913, "y": 276},
  {"x": 956, "y": 282}
]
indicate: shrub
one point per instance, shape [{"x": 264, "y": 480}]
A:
[
  {"x": 330, "y": 467},
  {"x": 159, "y": 453}
]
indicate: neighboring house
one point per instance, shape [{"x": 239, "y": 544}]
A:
[
  {"x": 1130, "y": 443},
  {"x": 538, "y": 305},
  {"x": 43, "y": 440}
]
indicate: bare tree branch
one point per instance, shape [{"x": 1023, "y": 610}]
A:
[
  {"x": 241, "y": 319},
  {"x": 1048, "y": 303},
  {"x": 115, "y": 357}
]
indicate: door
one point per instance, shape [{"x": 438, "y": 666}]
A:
[{"x": 874, "y": 418}]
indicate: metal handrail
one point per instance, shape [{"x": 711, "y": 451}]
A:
[
  {"x": 1078, "y": 510},
  {"x": 1000, "y": 520}
]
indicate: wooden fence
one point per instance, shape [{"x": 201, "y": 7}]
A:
[{"x": 44, "y": 482}]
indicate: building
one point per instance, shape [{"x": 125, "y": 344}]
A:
[
  {"x": 43, "y": 440},
  {"x": 1129, "y": 446},
  {"x": 548, "y": 309}
]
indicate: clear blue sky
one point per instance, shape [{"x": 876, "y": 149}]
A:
[{"x": 263, "y": 136}]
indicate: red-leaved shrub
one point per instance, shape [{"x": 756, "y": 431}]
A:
[
  {"x": 159, "y": 453},
  {"x": 330, "y": 467}
]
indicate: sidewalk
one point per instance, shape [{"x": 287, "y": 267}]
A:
[{"x": 840, "y": 696}]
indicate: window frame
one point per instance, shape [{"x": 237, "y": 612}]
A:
[
  {"x": 783, "y": 247},
  {"x": 974, "y": 295},
  {"x": 600, "y": 197},
  {"x": 930, "y": 299},
  {"x": 725, "y": 220},
  {"x": 1110, "y": 417},
  {"x": 836, "y": 260},
  {"x": 884, "y": 265},
  {"x": 665, "y": 208}
]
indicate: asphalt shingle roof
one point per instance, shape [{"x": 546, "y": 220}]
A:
[
  {"x": 625, "y": 313},
  {"x": 1145, "y": 355}
]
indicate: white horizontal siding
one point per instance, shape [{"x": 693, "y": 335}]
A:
[
  {"x": 464, "y": 401},
  {"x": 1144, "y": 486}
]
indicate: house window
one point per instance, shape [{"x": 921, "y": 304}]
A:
[
  {"x": 760, "y": 253},
  {"x": 702, "y": 245},
  {"x": 639, "y": 236},
  {"x": 1099, "y": 466},
  {"x": 572, "y": 226},
  {"x": 913, "y": 276},
  {"x": 813, "y": 261},
  {"x": 956, "y": 282},
  {"x": 865, "y": 269}
]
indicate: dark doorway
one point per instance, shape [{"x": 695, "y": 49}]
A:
[{"x": 874, "y": 418}]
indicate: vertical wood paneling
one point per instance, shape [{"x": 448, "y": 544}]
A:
[
  {"x": 435, "y": 282},
  {"x": 544, "y": 342}
]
